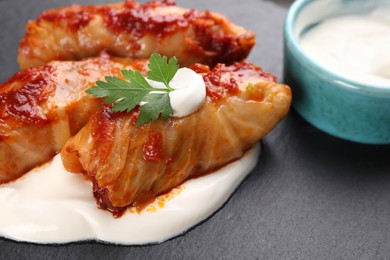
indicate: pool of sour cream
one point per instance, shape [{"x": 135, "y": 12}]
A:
[
  {"x": 51, "y": 205},
  {"x": 356, "y": 47}
]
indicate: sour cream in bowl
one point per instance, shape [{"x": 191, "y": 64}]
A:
[{"x": 337, "y": 60}]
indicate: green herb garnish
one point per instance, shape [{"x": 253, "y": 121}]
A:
[{"x": 127, "y": 94}]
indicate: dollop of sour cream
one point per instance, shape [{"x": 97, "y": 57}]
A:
[
  {"x": 51, "y": 205},
  {"x": 356, "y": 47},
  {"x": 189, "y": 91}
]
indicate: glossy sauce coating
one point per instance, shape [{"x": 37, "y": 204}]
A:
[
  {"x": 153, "y": 147},
  {"x": 23, "y": 102},
  {"x": 40, "y": 108},
  {"x": 76, "y": 20},
  {"x": 218, "y": 86},
  {"x": 133, "y": 18},
  {"x": 139, "y": 163},
  {"x": 133, "y": 30}
]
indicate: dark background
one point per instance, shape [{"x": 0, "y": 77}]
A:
[{"x": 311, "y": 196}]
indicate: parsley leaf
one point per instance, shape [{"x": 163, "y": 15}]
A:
[
  {"x": 161, "y": 70},
  {"x": 127, "y": 94},
  {"x": 156, "y": 104}
]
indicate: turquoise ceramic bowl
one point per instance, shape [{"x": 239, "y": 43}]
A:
[{"x": 339, "y": 106}]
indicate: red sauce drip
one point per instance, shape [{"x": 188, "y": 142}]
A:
[
  {"x": 222, "y": 48},
  {"x": 169, "y": 160},
  {"x": 23, "y": 104},
  {"x": 215, "y": 87},
  {"x": 3, "y": 137},
  {"x": 76, "y": 16},
  {"x": 142, "y": 19},
  {"x": 153, "y": 147},
  {"x": 103, "y": 202},
  {"x": 134, "y": 116},
  {"x": 132, "y": 17},
  {"x": 244, "y": 70},
  {"x": 103, "y": 133}
]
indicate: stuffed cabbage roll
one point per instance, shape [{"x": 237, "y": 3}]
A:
[
  {"x": 133, "y": 30},
  {"x": 40, "y": 108},
  {"x": 130, "y": 165}
]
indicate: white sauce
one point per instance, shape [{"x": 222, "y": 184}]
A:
[
  {"x": 51, "y": 205},
  {"x": 353, "y": 46},
  {"x": 189, "y": 91}
]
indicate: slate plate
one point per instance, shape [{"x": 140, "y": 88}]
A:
[{"x": 311, "y": 196}]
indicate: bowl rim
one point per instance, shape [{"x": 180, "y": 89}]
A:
[{"x": 289, "y": 37}]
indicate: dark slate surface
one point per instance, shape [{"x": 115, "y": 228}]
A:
[{"x": 311, "y": 196}]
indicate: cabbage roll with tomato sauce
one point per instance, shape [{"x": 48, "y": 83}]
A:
[
  {"x": 133, "y": 30},
  {"x": 130, "y": 165},
  {"x": 40, "y": 108}
]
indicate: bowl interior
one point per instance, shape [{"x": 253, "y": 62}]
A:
[{"x": 306, "y": 14}]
